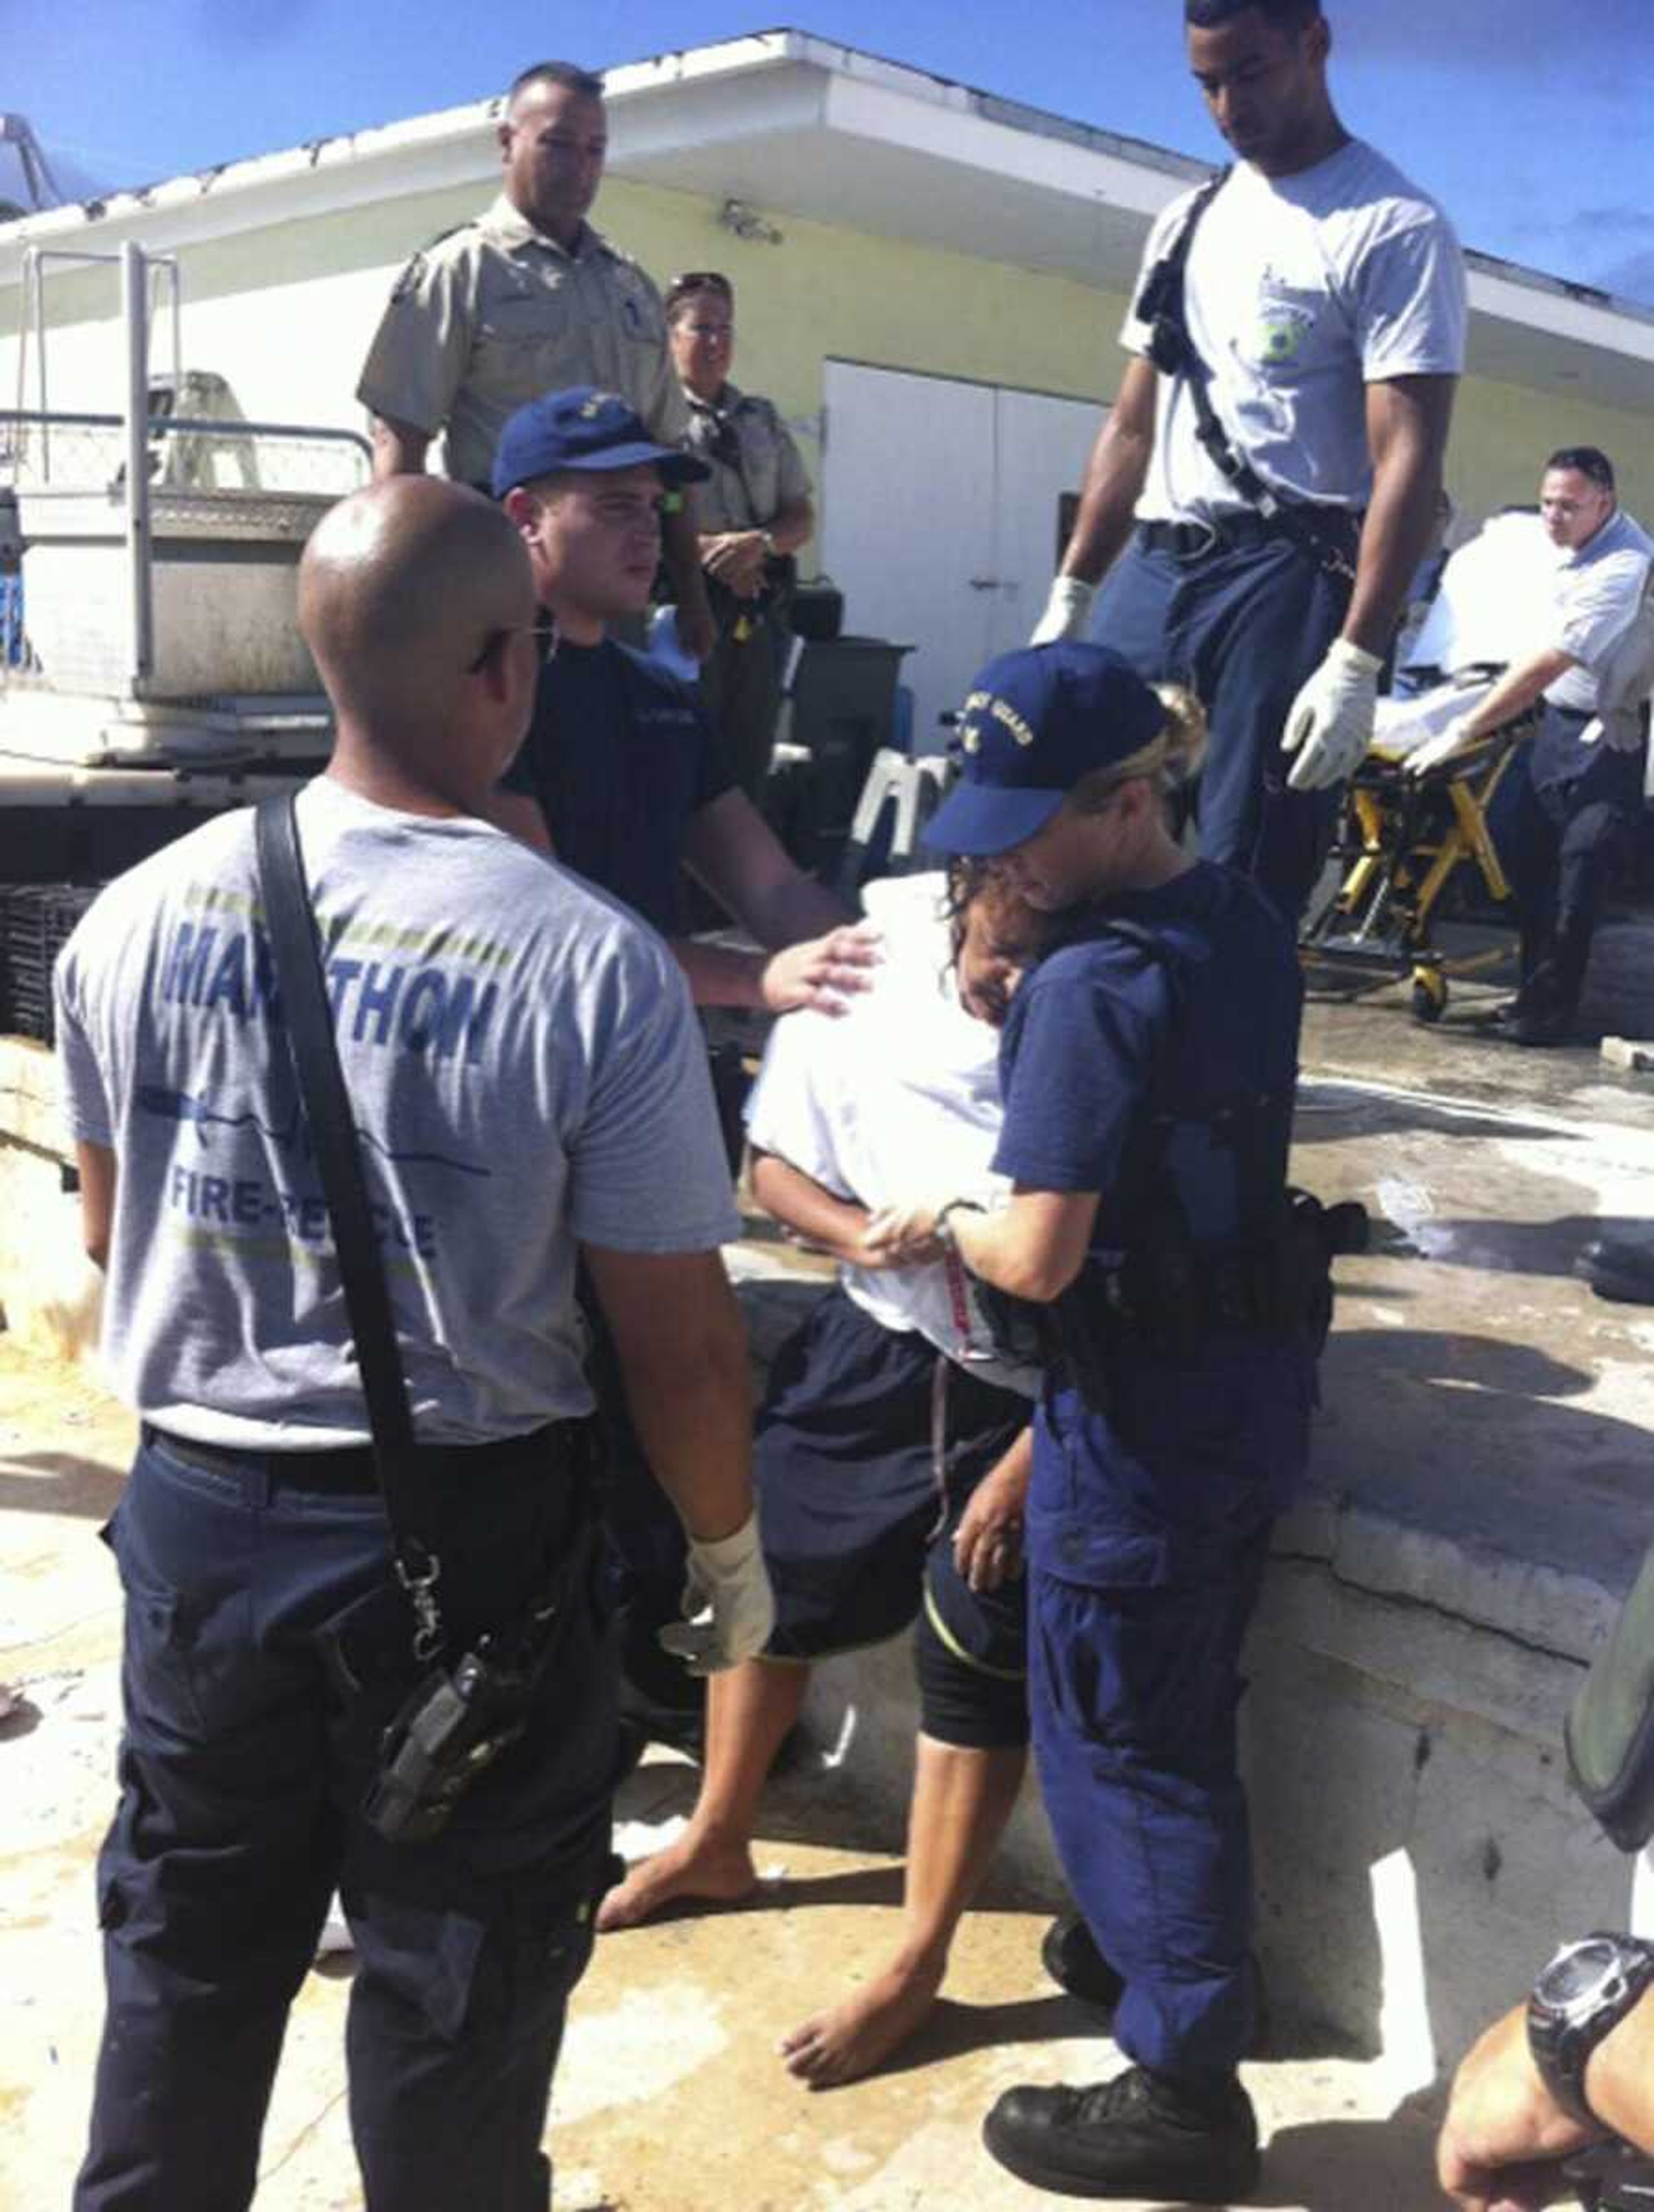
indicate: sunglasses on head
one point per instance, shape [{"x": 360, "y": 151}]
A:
[{"x": 700, "y": 280}]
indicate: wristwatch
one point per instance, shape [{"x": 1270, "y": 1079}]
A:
[
  {"x": 943, "y": 1230},
  {"x": 1586, "y": 1991},
  {"x": 768, "y": 538}
]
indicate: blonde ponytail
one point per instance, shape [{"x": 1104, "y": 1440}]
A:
[
  {"x": 1172, "y": 756},
  {"x": 1184, "y": 735}
]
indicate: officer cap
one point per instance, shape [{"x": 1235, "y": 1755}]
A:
[
  {"x": 582, "y": 429},
  {"x": 1036, "y": 723}
]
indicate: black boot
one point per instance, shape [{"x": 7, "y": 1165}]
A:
[
  {"x": 1070, "y": 1954},
  {"x": 1141, "y": 2134}
]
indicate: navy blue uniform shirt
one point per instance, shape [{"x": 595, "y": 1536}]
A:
[
  {"x": 1199, "y": 1449},
  {"x": 622, "y": 760}
]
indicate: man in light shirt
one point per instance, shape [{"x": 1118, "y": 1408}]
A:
[{"x": 1569, "y": 807}]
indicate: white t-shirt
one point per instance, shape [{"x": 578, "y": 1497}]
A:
[
  {"x": 526, "y": 1073},
  {"x": 898, "y": 1100},
  {"x": 1300, "y": 291},
  {"x": 1597, "y": 596}
]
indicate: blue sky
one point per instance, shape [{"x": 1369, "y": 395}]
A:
[{"x": 1530, "y": 119}]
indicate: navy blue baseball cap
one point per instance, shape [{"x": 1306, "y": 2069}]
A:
[
  {"x": 1036, "y": 723},
  {"x": 582, "y": 429}
]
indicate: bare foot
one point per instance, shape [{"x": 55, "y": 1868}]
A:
[
  {"x": 690, "y": 1868},
  {"x": 855, "y": 2036}
]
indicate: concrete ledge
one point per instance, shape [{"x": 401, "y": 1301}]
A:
[{"x": 1418, "y": 1848}]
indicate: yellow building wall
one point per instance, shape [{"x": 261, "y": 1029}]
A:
[
  {"x": 1503, "y": 432},
  {"x": 287, "y": 312}
]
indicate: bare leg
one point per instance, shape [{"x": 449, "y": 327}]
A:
[
  {"x": 749, "y": 1710},
  {"x": 961, "y": 1802}
]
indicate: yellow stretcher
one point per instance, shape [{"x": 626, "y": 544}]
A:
[{"x": 1402, "y": 842}]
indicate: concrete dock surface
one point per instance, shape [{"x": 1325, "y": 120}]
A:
[{"x": 1485, "y": 1168}]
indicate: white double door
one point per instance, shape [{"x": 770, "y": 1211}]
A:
[{"x": 940, "y": 517}]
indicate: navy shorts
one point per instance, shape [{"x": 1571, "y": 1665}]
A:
[{"x": 858, "y": 1521}]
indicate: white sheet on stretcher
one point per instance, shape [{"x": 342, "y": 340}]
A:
[
  {"x": 1404, "y": 725},
  {"x": 1495, "y": 605}
]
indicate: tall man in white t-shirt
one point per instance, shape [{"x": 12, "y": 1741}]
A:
[
  {"x": 529, "y": 1089},
  {"x": 1324, "y": 300}
]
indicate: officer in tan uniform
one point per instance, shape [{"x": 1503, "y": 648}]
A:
[
  {"x": 526, "y": 300},
  {"x": 754, "y": 513}
]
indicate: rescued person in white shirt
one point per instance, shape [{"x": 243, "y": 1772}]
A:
[{"x": 871, "y": 1510}]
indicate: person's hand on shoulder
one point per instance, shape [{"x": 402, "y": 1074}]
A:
[
  {"x": 823, "y": 973},
  {"x": 1504, "y": 2133}
]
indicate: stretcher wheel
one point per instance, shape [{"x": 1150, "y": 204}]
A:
[{"x": 1429, "y": 995}]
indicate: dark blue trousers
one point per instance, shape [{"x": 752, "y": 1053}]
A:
[
  {"x": 263, "y": 1657},
  {"x": 1561, "y": 817},
  {"x": 1243, "y": 628},
  {"x": 1133, "y": 1694}
]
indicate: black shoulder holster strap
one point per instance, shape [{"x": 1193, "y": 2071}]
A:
[
  {"x": 300, "y": 981},
  {"x": 1171, "y": 348}
]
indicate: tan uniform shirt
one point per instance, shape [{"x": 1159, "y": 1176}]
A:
[
  {"x": 755, "y": 467},
  {"x": 496, "y": 314}
]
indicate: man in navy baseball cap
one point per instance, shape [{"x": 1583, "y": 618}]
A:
[
  {"x": 623, "y": 772},
  {"x": 583, "y": 429}
]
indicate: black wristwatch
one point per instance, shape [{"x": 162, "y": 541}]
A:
[{"x": 1586, "y": 1991}]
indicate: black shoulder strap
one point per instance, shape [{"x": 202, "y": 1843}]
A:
[
  {"x": 299, "y": 978},
  {"x": 1160, "y": 302},
  {"x": 1163, "y": 307}
]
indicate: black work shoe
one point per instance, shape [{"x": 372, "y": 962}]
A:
[
  {"x": 1140, "y": 2135},
  {"x": 1070, "y": 1954},
  {"x": 1539, "y": 1025}
]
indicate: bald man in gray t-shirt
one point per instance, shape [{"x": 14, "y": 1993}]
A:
[{"x": 528, "y": 1087}]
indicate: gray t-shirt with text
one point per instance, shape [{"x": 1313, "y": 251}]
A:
[{"x": 527, "y": 1075}]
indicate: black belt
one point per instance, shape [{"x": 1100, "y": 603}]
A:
[
  {"x": 348, "y": 1470},
  {"x": 1192, "y": 541}
]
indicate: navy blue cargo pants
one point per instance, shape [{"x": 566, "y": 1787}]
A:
[
  {"x": 1133, "y": 1694},
  {"x": 264, "y": 1653},
  {"x": 1562, "y": 816},
  {"x": 1244, "y": 626}
]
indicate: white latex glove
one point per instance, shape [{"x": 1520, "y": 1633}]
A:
[
  {"x": 729, "y": 1607},
  {"x": 1330, "y": 725},
  {"x": 1066, "y": 612},
  {"x": 1442, "y": 747}
]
